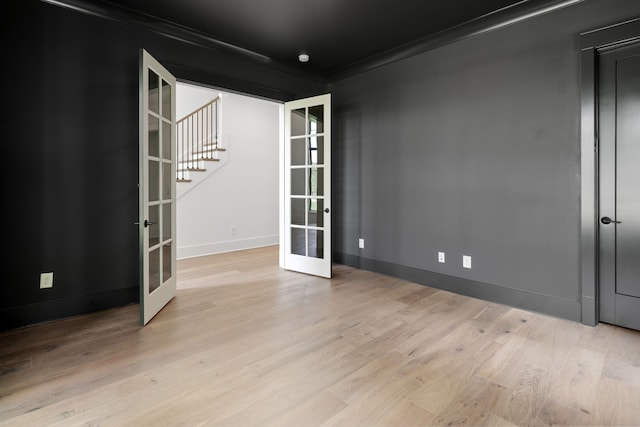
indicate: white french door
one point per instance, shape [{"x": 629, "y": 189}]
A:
[
  {"x": 307, "y": 186},
  {"x": 157, "y": 185}
]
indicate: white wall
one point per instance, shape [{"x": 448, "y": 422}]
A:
[
  {"x": 235, "y": 207},
  {"x": 190, "y": 97}
]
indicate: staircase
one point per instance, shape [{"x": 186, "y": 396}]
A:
[{"x": 198, "y": 138}]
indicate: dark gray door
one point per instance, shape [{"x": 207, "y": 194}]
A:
[{"x": 619, "y": 186}]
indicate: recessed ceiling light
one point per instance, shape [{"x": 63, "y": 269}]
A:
[{"x": 303, "y": 57}]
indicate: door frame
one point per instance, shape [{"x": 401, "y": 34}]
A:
[{"x": 591, "y": 42}]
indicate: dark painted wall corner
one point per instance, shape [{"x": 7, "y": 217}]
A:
[
  {"x": 472, "y": 148},
  {"x": 71, "y": 150}
]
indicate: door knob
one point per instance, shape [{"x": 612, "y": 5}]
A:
[
  {"x": 606, "y": 221},
  {"x": 326, "y": 210}
]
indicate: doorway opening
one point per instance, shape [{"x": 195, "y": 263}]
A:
[{"x": 232, "y": 203}]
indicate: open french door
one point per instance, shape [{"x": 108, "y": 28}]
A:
[
  {"x": 157, "y": 185},
  {"x": 307, "y": 186}
]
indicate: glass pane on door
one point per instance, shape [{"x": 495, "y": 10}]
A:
[
  {"x": 316, "y": 182},
  {"x": 315, "y": 243},
  {"x": 152, "y": 225},
  {"x": 316, "y": 150},
  {"x": 167, "y": 272},
  {"x": 316, "y": 119},
  {"x": 167, "y": 177},
  {"x": 297, "y": 211},
  {"x": 154, "y": 95},
  {"x": 154, "y": 136},
  {"x": 166, "y": 140},
  {"x": 154, "y": 180},
  {"x": 298, "y": 182},
  {"x": 154, "y": 270},
  {"x": 166, "y": 222},
  {"x": 298, "y": 122},
  {"x": 298, "y": 150},
  {"x": 166, "y": 100},
  {"x": 298, "y": 241},
  {"x": 315, "y": 212}
]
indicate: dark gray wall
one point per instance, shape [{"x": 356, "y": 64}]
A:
[
  {"x": 472, "y": 148},
  {"x": 70, "y": 152}
]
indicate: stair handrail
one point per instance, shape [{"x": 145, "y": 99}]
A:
[
  {"x": 216, "y": 99},
  {"x": 192, "y": 131}
]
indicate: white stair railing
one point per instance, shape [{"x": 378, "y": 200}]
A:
[{"x": 197, "y": 139}]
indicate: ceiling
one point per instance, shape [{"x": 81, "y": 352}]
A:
[{"x": 336, "y": 34}]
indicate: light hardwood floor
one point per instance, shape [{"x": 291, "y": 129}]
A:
[{"x": 245, "y": 343}]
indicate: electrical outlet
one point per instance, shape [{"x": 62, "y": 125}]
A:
[
  {"x": 46, "y": 280},
  {"x": 361, "y": 243},
  {"x": 466, "y": 261},
  {"x": 440, "y": 256},
  {"x": 234, "y": 230}
]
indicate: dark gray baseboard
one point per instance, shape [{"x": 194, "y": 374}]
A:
[
  {"x": 31, "y": 314},
  {"x": 545, "y": 304}
]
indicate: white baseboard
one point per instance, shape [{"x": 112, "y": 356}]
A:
[{"x": 228, "y": 246}]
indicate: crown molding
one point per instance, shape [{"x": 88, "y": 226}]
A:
[
  {"x": 178, "y": 32},
  {"x": 501, "y": 18}
]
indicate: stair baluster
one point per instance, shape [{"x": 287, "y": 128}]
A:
[{"x": 197, "y": 139}]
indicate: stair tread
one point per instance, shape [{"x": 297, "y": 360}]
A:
[
  {"x": 200, "y": 159},
  {"x": 216, "y": 150}
]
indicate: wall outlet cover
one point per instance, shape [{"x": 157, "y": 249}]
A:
[
  {"x": 46, "y": 280},
  {"x": 361, "y": 243},
  {"x": 466, "y": 261},
  {"x": 441, "y": 257}
]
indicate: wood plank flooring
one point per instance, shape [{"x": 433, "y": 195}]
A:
[{"x": 245, "y": 343}]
